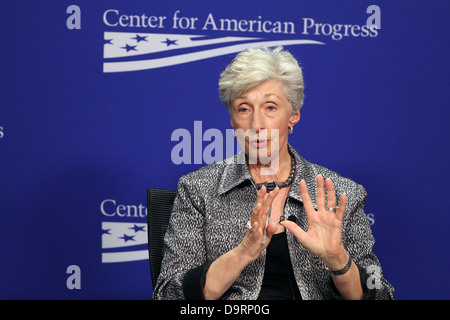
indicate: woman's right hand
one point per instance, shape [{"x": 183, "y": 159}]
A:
[
  {"x": 252, "y": 245},
  {"x": 224, "y": 271}
]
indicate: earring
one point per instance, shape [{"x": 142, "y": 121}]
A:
[{"x": 290, "y": 130}]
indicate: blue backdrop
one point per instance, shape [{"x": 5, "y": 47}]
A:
[{"x": 91, "y": 94}]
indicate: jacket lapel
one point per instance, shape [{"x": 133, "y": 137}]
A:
[{"x": 235, "y": 172}]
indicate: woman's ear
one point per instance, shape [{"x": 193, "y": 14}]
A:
[
  {"x": 231, "y": 122},
  {"x": 294, "y": 119}
]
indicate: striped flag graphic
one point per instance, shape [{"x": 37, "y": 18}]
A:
[
  {"x": 123, "y": 241},
  {"x": 125, "y": 51}
]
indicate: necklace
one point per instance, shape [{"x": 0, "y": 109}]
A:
[{"x": 270, "y": 185}]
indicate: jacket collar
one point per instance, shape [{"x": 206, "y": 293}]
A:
[{"x": 236, "y": 172}]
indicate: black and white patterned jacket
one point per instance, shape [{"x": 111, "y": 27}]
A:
[{"x": 211, "y": 209}]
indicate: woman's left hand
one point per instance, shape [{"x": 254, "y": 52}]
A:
[{"x": 323, "y": 237}]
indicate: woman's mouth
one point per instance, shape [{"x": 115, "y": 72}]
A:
[{"x": 259, "y": 143}]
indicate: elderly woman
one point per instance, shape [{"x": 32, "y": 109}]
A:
[{"x": 273, "y": 226}]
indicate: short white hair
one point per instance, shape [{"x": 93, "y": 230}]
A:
[{"x": 252, "y": 67}]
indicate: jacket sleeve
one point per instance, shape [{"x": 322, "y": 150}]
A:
[
  {"x": 359, "y": 241},
  {"x": 184, "y": 248}
]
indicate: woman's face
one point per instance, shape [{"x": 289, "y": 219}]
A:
[{"x": 266, "y": 111}]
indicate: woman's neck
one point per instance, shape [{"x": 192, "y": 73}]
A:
[{"x": 278, "y": 169}]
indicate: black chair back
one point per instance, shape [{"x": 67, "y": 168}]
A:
[{"x": 159, "y": 209}]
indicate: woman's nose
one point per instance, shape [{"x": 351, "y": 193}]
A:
[{"x": 257, "y": 122}]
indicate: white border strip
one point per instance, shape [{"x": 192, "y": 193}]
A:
[{"x": 111, "y": 257}]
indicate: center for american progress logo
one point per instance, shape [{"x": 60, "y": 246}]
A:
[{"x": 130, "y": 51}]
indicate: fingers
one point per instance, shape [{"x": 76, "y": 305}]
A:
[
  {"x": 328, "y": 201},
  {"x": 256, "y": 212},
  {"x": 341, "y": 210},
  {"x": 265, "y": 199},
  {"x": 331, "y": 200},
  {"x": 325, "y": 196},
  {"x": 257, "y": 209},
  {"x": 262, "y": 207},
  {"x": 307, "y": 203},
  {"x": 320, "y": 195},
  {"x": 331, "y": 195}
]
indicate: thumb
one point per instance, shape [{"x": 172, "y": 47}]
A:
[
  {"x": 293, "y": 228},
  {"x": 272, "y": 228}
]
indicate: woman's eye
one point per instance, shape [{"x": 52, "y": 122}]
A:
[
  {"x": 243, "y": 110},
  {"x": 271, "y": 108}
]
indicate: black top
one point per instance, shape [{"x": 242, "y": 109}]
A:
[{"x": 279, "y": 281}]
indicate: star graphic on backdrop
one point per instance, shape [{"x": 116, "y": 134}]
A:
[
  {"x": 106, "y": 231},
  {"x": 129, "y": 48},
  {"x": 138, "y": 38},
  {"x": 137, "y": 228},
  {"x": 107, "y": 41},
  {"x": 127, "y": 238},
  {"x": 169, "y": 42}
]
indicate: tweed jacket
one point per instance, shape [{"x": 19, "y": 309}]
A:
[{"x": 209, "y": 216}]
